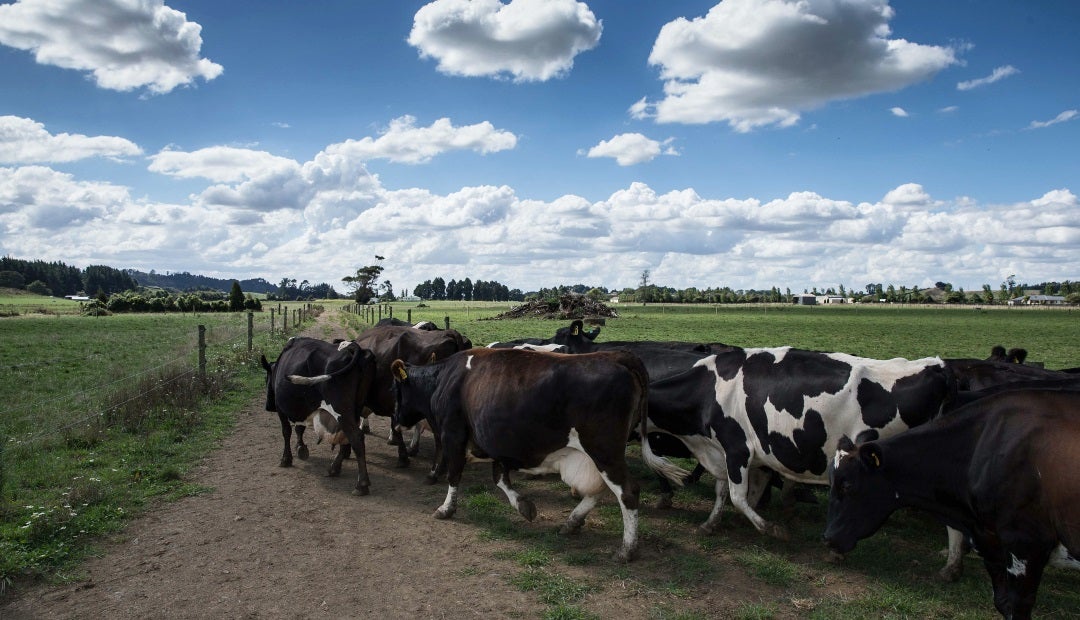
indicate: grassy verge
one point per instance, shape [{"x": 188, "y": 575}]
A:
[{"x": 104, "y": 417}]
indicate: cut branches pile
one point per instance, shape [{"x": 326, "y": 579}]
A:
[{"x": 570, "y": 306}]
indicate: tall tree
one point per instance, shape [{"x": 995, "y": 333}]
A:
[
  {"x": 236, "y": 297},
  {"x": 365, "y": 284}
]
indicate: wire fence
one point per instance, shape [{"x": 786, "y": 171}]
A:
[{"x": 30, "y": 422}]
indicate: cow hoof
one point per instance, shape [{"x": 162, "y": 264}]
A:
[
  {"x": 664, "y": 503},
  {"x": 569, "y": 529},
  {"x": 951, "y": 574},
  {"x": 833, "y": 557},
  {"x": 443, "y": 513},
  {"x": 361, "y": 491},
  {"x": 626, "y": 554},
  {"x": 706, "y": 529},
  {"x": 527, "y": 509},
  {"x": 393, "y": 441},
  {"x": 431, "y": 479},
  {"x": 285, "y": 464},
  {"x": 302, "y": 453},
  {"x": 402, "y": 463},
  {"x": 414, "y": 451},
  {"x": 778, "y": 532},
  {"x": 333, "y": 473}
]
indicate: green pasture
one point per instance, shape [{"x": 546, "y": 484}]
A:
[{"x": 83, "y": 448}]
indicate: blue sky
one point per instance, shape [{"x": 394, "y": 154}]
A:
[{"x": 742, "y": 143}]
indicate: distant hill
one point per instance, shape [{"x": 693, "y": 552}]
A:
[{"x": 185, "y": 281}]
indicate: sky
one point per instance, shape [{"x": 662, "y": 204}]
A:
[{"x": 740, "y": 143}]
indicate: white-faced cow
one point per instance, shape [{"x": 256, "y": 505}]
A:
[
  {"x": 415, "y": 346},
  {"x": 1002, "y": 470},
  {"x": 312, "y": 378},
  {"x": 786, "y": 410},
  {"x": 537, "y": 413}
]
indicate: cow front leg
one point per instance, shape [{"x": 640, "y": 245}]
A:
[
  {"x": 739, "y": 498},
  {"x": 501, "y": 476},
  {"x": 301, "y": 448},
  {"x": 954, "y": 563},
  {"x": 351, "y": 426},
  {"x": 454, "y": 446},
  {"x": 438, "y": 463},
  {"x": 286, "y": 434}
]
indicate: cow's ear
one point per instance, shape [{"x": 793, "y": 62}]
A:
[
  {"x": 870, "y": 453},
  {"x": 845, "y": 444},
  {"x": 397, "y": 368}
]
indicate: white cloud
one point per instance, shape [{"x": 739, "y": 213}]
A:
[
  {"x": 221, "y": 164},
  {"x": 25, "y": 141},
  {"x": 628, "y": 149},
  {"x": 404, "y": 142},
  {"x": 125, "y": 45},
  {"x": 898, "y": 111},
  {"x": 754, "y": 63},
  {"x": 310, "y": 220},
  {"x": 999, "y": 73},
  {"x": 1067, "y": 115},
  {"x": 530, "y": 40}
]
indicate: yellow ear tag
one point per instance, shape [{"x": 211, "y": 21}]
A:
[
  {"x": 877, "y": 461},
  {"x": 574, "y": 332},
  {"x": 401, "y": 373}
]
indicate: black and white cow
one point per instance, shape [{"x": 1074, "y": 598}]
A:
[
  {"x": 787, "y": 409},
  {"x": 311, "y": 378},
  {"x": 1002, "y": 470},
  {"x": 533, "y": 412}
]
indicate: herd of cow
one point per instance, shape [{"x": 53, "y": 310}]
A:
[{"x": 992, "y": 449}]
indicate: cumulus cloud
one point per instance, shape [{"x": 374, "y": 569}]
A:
[
  {"x": 755, "y": 63},
  {"x": 222, "y": 164},
  {"x": 898, "y": 111},
  {"x": 628, "y": 149},
  {"x": 309, "y": 220},
  {"x": 404, "y": 142},
  {"x": 124, "y": 45},
  {"x": 1067, "y": 115},
  {"x": 999, "y": 74},
  {"x": 25, "y": 141},
  {"x": 529, "y": 40}
]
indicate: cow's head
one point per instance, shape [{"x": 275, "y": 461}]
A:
[
  {"x": 575, "y": 338},
  {"x": 271, "y": 403},
  {"x": 412, "y": 402},
  {"x": 861, "y": 496}
]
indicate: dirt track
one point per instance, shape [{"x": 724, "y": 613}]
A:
[{"x": 270, "y": 542}]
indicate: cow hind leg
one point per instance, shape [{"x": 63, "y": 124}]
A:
[
  {"x": 342, "y": 453},
  {"x": 739, "y": 498},
  {"x": 286, "y": 434},
  {"x": 301, "y": 448},
  {"x": 626, "y": 490},
  {"x": 524, "y": 506},
  {"x": 713, "y": 521}
]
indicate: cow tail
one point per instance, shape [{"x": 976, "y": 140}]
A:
[
  {"x": 677, "y": 475},
  {"x": 356, "y": 356}
]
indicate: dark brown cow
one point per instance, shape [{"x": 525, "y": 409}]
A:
[
  {"x": 1002, "y": 470},
  {"x": 415, "y": 346},
  {"x": 535, "y": 412}
]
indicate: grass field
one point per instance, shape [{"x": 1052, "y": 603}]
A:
[{"x": 83, "y": 448}]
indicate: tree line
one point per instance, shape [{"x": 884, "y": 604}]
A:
[{"x": 56, "y": 278}]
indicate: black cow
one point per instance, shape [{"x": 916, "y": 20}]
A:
[
  {"x": 415, "y": 346},
  {"x": 1002, "y": 470},
  {"x": 535, "y": 412},
  {"x": 312, "y": 376},
  {"x": 1015, "y": 355},
  {"x": 786, "y": 410},
  {"x": 975, "y": 374},
  {"x": 424, "y": 325}
]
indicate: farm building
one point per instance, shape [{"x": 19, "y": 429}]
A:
[
  {"x": 805, "y": 300},
  {"x": 1038, "y": 300}
]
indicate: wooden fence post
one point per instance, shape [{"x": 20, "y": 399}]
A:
[
  {"x": 447, "y": 319},
  {"x": 285, "y": 322},
  {"x": 202, "y": 354},
  {"x": 408, "y": 313},
  {"x": 271, "y": 320},
  {"x": 251, "y": 329}
]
